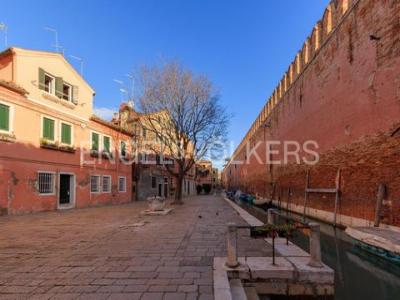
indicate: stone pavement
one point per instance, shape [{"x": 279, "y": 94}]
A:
[{"x": 96, "y": 253}]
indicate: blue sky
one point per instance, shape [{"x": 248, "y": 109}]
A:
[{"x": 243, "y": 46}]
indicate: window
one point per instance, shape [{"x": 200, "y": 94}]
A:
[
  {"x": 67, "y": 92},
  {"x": 106, "y": 183},
  {"x": 106, "y": 144},
  {"x": 48, "y": 129},
  {"x": 46, "y": 183},
  {"x": 4, "y": 117},
  {"x": 95, "y": 184},
  {"x": 153, "y": 182},
  {"x": 95, "y": 141},
  {"x": 121, "y": 184},
  {"x": 144, "y": 132},
  {"x": 66, "y": 134},
  {"x": 168, "y": 161},
  {"x": 49, "y": 83},
  {"x": 123, "y": 148}
]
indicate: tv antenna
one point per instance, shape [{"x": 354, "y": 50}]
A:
[
  {"x": 121, "y": 89},
  {"x": 80, "y": 61},
  {"x": 132, "y": 91},
  {"x": 4, "y": 28},
  {"x": 56, "y": 45}
]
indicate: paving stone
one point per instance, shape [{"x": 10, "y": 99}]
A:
[
  {"x": 162, "y": 288},
  {"x": 152, "y": 296},
  {"x": 136, "y": 288},
  {"x": 206, "y": 297},
  {"x": 174, "y": 296},
  {"x": 125, "y": 296},
  {"x": 188, "y": 288}
]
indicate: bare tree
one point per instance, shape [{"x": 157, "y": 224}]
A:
[{"x": 184, "y": 115}]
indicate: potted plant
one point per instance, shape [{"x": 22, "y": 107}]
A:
[
  {"x": 269, "y": 230},
  {"x": 94, "y": 153},
  {"x": 44, "y": 143},
  {"x": 67, "y": 148}
]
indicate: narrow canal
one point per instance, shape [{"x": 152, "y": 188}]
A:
[{"x": 358, "y": 275}]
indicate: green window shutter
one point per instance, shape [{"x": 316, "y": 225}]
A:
[
  {"x": 41, "y": 78},
  {"x": 123, "y": 148},
  {"x": 95, "y": 141},
  {"x": 66, "y": 134},
  {"x": 74, "y": 95},
  {"x": 59, "y": 87},
  {"x": 48, "y": 129},
  {"x": 4, "y": 117},
  {"x": 106, "y": 144}
]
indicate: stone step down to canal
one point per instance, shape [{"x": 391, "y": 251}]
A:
[
  {"x": 293, "y": 273},
  {"x": 383, "y": 238}
]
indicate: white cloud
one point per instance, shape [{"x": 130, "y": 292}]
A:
[{"x": 105, "y": 112}]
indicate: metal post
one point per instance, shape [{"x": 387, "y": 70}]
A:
[
  {"x": 273, "y": 247},
  {"x": 231, "y": 246},
  {"x": 271, "y": 217},
  {"x": 315, "y": 246}
]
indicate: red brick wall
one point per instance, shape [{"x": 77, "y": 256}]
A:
[{"x": 347, "y": 99}]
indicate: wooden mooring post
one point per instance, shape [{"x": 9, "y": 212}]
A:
[{"x": 378, "y": 207}]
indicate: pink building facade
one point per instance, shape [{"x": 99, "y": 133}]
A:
[{"x": 54, "y": 154}]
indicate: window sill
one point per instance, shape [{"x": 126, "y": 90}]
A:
[
  {"x": 7, "y": 137},
  {"x": 107, "y": 155},
  {"x": 47, "y": 145},
  {"x": 69, "y": 149},
  {"x": 125, "y": 157},
  {"x": 57, "y": 100},
  {"x": 94, "y": 153},
  {"x": 54, "y": 146}
]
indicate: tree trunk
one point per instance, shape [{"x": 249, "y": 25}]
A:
[{"x": 178, "y": 193}]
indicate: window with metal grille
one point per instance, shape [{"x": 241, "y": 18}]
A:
[
  {"x": 106, "y": 184},
  {"x": 46, "y": 183},
  {"x": 95, "y": 184},
  {"x": 153, "y": 182},
  {"x": 122, "y": 184}
]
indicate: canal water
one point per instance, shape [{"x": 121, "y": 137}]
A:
[{"x": 358, "y": 275}]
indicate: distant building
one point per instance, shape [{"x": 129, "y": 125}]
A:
[
  {"x": 215, "y": 178},
  {"x": 150, "y": 175},
  {"x": 204, "y": 173},
  {"x": 54, "y": 154}
]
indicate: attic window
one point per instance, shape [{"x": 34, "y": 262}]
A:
[
  {"x": 67, "y": 92},
  {"x": 49, "y": 83}
]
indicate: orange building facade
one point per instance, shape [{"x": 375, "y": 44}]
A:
[{"x": 54, "y": 154}]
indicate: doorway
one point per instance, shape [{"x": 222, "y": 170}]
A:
[
  {"x": 66, "y": 190},
  {"x": 160, "y": 189},
  {"x": 166, "y": 187}
]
